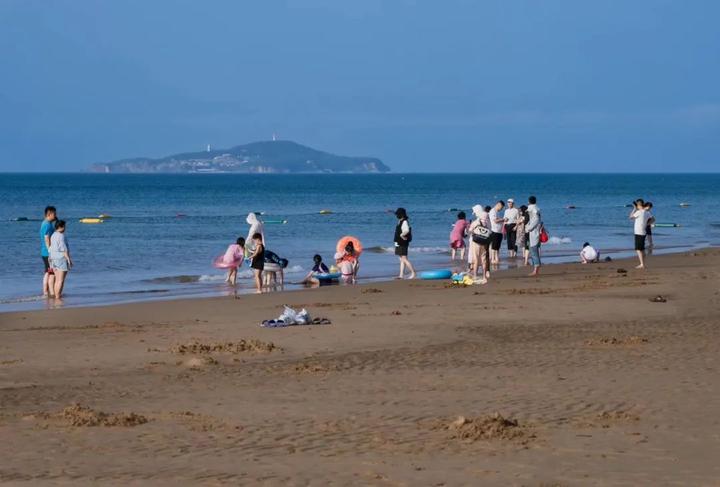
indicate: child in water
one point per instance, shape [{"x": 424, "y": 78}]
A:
[
  {"x": 347, "y": 269},
  {"x": 318, "y": 268},
  {"x": 351, "y": 257},
  {"x": 457, "y": 236},
  {"x": 257, "y": 260},
  {"x": 233, "y": 258}
]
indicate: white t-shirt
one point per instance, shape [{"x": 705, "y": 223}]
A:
[
  {"x": 589, "y": 253},
  {"x": 512, "y": 215},
  {"x": 58, "y": 245},
  {"x": 641, "y": 219},
  {"x": 495, "y": 226}
]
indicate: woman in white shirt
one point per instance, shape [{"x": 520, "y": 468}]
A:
[
  {"x": 59, "y": 257},
  {"x": 641, "y": 217}
]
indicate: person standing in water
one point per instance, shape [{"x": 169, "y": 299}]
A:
[
  {"x": 233, "y": 258},
  {"x": 403, "y": 237},
  {"x": 641, "y": 217},
  {"x": 457, "y": 236},
  {"x": 534, "y": 228},
  {"x": 46, "y": 230},
  {"x": 511, "y": 219},
  {"x": 651, "y": 222},
  {"x": 256, "y": 226},
  {"x": 257, "y": 260},
  {"x": 496, "y": 225},
  {"x": 480, "y": 239},
  {"x": 522, "y": 236},
  {"x": 60, "y": 257}
]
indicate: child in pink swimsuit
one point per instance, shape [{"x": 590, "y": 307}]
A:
[
  {"x": 231, "y": 260},
  {"x": 457, "y": 236}
]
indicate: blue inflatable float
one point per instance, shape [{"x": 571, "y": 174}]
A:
[
  {"x": 437, "y": 274},
  {"x": 331, "y": 276}
]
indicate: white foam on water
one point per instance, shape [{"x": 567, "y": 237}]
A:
[
  {"x": 419, "y": 250},
  {"x": 559, "y": 240},
  {"x": 212, "y": 278}
]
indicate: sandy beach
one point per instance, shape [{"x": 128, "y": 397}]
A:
[{"x": 579, "y": 378}]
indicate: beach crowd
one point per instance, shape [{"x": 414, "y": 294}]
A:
[{"x": 477, "y": 242}]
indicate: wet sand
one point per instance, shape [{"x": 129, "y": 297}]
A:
[{"x": 578, "y": 378}]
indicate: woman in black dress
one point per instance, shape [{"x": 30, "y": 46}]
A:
[{"x": 257, "y": 260}]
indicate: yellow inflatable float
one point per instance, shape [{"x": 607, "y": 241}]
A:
[{"x": 91, "y": 220}]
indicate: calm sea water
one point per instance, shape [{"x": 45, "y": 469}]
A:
[{"x": 148, "y": 251}]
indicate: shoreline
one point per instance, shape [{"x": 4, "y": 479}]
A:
[{"x": 217, "y": 290}]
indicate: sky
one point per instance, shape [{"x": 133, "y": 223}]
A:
[{"x": 457, "y": 85}]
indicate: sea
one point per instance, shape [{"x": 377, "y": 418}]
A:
[{"x": 164, "y": 230}]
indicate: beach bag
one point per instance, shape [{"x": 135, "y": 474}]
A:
[
  {"x": 481, "y": 235},
  {"x": 544, "y": 237}
]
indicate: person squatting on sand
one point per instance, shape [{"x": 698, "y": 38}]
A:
[
  {"x": 60, "y": 257},
  {"x": 589, "y": 254},
  {"x": 534, "y": 228},
  {"x": 641, "y": 217},
  {"x": 457, "y": 236},
  {"x": 480, "y": 238},
  {"x": 403, "y": 237},
  {"x": 47, "y": 227}
]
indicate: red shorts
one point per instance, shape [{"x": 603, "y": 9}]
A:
[{"x": 457, "y": 244}]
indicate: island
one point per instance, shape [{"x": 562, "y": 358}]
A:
[{"x": 275, "y": 156}]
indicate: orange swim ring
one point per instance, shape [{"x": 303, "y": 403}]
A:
[{"x": 343, "y": 243}]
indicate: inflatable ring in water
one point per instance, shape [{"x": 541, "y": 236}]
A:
[
  {"x": 330, "y": 276},
  {"x": 437, "y": 274},
  {"x": 219, "y": 263},
  {"x": 342, "y": 243}
]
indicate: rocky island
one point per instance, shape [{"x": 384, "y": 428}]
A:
[{"x": 276, "y": 156}]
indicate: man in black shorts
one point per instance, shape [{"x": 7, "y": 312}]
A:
[
  {"x": 640, "y": 216},
  {"x": 47, "y": 227},
  {"x": 496, "y": 226}
]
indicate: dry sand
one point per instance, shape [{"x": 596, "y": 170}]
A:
[{"x": 574, "y": 379}]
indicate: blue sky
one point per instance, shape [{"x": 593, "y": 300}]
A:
[{"x": 506, "y": 85}]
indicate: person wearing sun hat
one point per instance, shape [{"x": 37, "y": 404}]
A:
[{"x": 511, "y": 216}]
